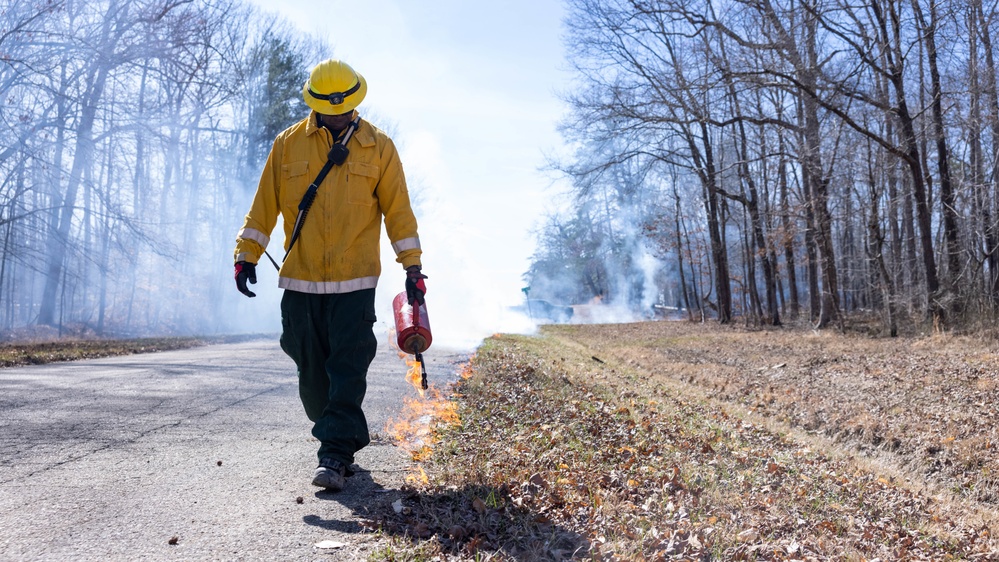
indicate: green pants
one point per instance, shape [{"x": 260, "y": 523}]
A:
[{"x": 331, "y": 340}]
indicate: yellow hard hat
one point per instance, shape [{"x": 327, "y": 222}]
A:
[{"x": 334, "y": 87}]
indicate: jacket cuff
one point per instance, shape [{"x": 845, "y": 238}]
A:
[
  {"x": 247, "y": 257},
  {"x": 410, "y": 261}
]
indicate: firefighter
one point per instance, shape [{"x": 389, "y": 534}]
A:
[{"x": 332, "y": 260}]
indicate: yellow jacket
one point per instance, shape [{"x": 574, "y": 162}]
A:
[{"x": 338, "y": 248}]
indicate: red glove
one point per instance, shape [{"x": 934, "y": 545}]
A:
[{"x": 415, "y": 287}]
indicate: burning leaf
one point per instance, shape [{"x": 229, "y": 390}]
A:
[
  {"x": 412, "y": 430},
  {"x": 418, "y": 478}
]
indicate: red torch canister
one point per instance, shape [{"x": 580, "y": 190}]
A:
[{"x": 412, "y": 328}]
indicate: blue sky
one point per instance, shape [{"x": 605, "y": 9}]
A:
[{"x": 470, "y": 91}]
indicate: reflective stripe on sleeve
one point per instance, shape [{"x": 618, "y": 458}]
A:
[
  {"x": 327, "y": 287},
  {"x": 242, "y": 256},
  {"x": 253, "y": 234},
  {"x": 406, "y": 244}
]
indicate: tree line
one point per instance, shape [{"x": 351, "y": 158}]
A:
[
  {"x": 795, "y": 159},
  {"x": 131, "y": 139}
]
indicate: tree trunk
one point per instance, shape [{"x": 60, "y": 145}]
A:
[
  {"x": 83, "y": 157},
  {"x": 752, "y": 203},
  {"x": 913, "y": 158},
  {"x": 755, "y": 306},
  {"x": 983, "y": 233},
  {"x": 876, "y": 248},
  {"x": 719, "y": 253},
  {"x": 811, "y": 251},
  {"x": 992, "y": 97},
  {"x": 679, "y": 256},
  {"x": 788, "y": 230},
  {"x": 947, "y": 199}
]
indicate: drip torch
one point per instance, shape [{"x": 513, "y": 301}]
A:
[{"x": 412, "y": 328}]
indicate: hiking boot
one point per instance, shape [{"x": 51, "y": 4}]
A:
[{"x": 330, "y": 474}]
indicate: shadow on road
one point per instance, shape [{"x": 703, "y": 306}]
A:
[
  {"x": 468, "y": 520},
  {"x": 359, "y": 495}
]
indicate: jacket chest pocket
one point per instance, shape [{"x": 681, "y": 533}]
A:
[
  {"x": 295, "y": 176},
  {"x": 361, "y": 182}
]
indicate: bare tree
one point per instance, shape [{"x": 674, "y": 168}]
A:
[{"x": 122, "y": 157}]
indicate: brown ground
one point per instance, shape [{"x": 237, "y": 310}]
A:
[
  {"x": 678, "y": 441},
  {"x": 932, "y": 403},
  {"x": 40, "y": 352}
]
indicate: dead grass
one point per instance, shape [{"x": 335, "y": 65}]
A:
[
  {"x": 929, "y": 400},
  {"x": 672, "y": 441},
  {"x": 39, "y": 353}
]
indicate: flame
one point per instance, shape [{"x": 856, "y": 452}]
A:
[
  {"x": 412, "y": 430},
  {"x": 466, "y": 371},
  {"x": 417, "y": 478},
  {"x": 414, "y": 375}
]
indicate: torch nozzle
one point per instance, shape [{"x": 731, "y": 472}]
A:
[{"x": 423, "y": 368}]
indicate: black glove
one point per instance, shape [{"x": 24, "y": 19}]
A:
[
  {"x": 246, "y": 270},
  {"x": 415, "y": 287}
]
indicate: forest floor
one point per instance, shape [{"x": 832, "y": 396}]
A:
[{"x": 680, "y": 441}]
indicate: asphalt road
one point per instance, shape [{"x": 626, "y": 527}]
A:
[{"x": 111, "y": 459}]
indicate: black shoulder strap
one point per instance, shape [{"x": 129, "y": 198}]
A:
[{"x": 337, "y": 155}]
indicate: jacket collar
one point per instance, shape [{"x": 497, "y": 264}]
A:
[{"x": 364, "y": 135}]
